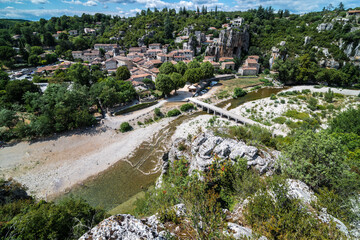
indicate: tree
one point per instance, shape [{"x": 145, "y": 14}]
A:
[
  {"x": 169, "y": 27},
  {"x": 178, "y": 80},
  {"x": 8, "y": 118},
  {"x": 164, "y": 83},
  {"x": 78, "y": 73},
  {"x": 4, "y": 79},
  {"x": 125, "y": 127},
  {"x": 341, "y": 7},
  {"x": 167, "y": 68},
  {"x": 49, "y": 39},
  {"x": 6, "y": 52},
  {"x": 122, "y": 73},
  {"x": 193, "y": 75},
  {"x": 207, "y": 69},
  {"x": 181, "y": 67},
  {"x": 16, "y": 89},
  {"x": 193, "y": 64},
  {"x": 318, "y": 159},
  {"x": 36, "y": 50}
]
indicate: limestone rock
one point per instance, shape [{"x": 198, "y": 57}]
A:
[
  {"x": 231, "y": 43},
  {"x": 238, "y": 232},
  {"x": 125, "y": 227},
  {"x": 299, "y": 190},
  {"x": 326, "y": 218},
  {"x": 206, "y": 146},
  {"x": 325, "y": 27},
  {"x": 307, "y": 40}
]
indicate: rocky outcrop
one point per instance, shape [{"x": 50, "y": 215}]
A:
[
  {"x": 299, "y": 190},
  {"x": 325, "y": 27},
  {"x": 329, "y": 63},
  {"x": 141, "y": 41},
  {"x": 206, "y": 146},
  {"x": 125, "y": 227},
  {"x": 231, "y": 43},
  {"x": 307, "y": 40}
]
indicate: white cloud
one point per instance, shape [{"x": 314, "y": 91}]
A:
[
  {"x": 11, "y": 1},
  {"x": 90, "y": 3},
  {"x": 38, "y": 1},
  {"x": 8, "y": 7},
  {"x": 77, "y": 2}
]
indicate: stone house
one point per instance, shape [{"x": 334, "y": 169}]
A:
[
  {"x": 110, "y": 64},
  {"x": 250, "y": 67},
  {"x": 106, "y": 47},
  {"x": 228, "y": 65},
  {"x": 155, "y": 46},
  {"x": 73, "y": 32}
]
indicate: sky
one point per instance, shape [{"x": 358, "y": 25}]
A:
[{"x": 36, "y": 9}]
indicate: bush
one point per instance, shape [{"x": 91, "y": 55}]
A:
[
  {"x": 280, "y": 120},
  {"x": 187, "y": 106},
  {"x": 273, "y": 97},
  {"x": 282, "y": 101},
  {"x": 125, "y": 127},
  {"x": 173, "y": 113},
  {"x": 158, "y": 112},
  {"x": 312, "y": 103},
  {"x": 292, "y": 113},
  {"x": 239, "y": 92},
  {"x": 329, "y": 96},
  {"x": 318, "y": 159}
]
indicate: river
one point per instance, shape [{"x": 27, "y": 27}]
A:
[{"x": 139, "y": 171}]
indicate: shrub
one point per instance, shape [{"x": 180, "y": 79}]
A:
[
  {"x": 266, "y": 71},
  {"x": 273, "y": 97},
  {"x": 280, "y": 120},
  {"x": 173, "y": 113},
  {"x": 312, "y": 103},
  {"x": 187, "y": 106},
  {"x": 292, "y": 113},
  {"x": 125, "y": 127},
  {"x": 318, "y": 159},
  {"x": 239, "y": 92},
  {"x": 158, "y": 112},
  {"x": 282, "y": 101},
  {"x": 329, "y": 96},
  {"x": 305, "y": 91}
]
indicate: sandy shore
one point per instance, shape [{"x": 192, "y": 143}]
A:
[{"x": 50, "y": 167}]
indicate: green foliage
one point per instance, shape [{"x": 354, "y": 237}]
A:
[
  {"x": 23, "y": 218},
  {"x": 181, "y": 67},
  {"x": 347, "y": 122},
  {"x": 239, "y": 92},
  {"x": 279, "y": 120},
  {"x": 158, "y": 112},
  {"x": 277, "y": 216},
  {"x": 318, "y": 160},
  {"x": 122, "y": 73},
  {"x": 8, "y": 118},
  {"x": 78, "y": 73},
  {"x": 125, "y": 127},
  {"x": 207, "y": 70},
  {"x": 177, "y": 80},
  {"x": 186, "y": 107},
  {"x": 293, "y": 113},
  {"x": 167, "y": 68},
  {"x": 164, "y": 84},
  {"x": 193, "y": 64},
  {"x": 15, "y": 90},
  {"x": 329, "y": 96},
  {"x": 173, "y": 113},
  {"x": 193, "y": 75},
  {"x": 273, "y": 97}
]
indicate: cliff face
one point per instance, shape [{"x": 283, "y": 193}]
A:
[{"x": 231, "y": 43}]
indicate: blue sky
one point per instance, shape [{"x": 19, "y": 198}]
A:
[{"x": 36, "y": 9}]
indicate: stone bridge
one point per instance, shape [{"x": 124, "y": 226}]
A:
[{"x": 231, "y": 116}]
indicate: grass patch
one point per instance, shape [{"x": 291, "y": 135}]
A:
[
  {"x": 136, "y": 107},
  {"x": 292, "y": 113},
  {"x": 279, "y": 120}
]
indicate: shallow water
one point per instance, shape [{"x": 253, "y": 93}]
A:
[
  {"x": 131, "y": 175},
  {"x": 251, "y": 96},
  {"x": 140, "y": 170}
]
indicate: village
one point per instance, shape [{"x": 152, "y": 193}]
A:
[{"x": 144, "y": 61}]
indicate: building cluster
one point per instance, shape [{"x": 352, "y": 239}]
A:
[{"x": 251, "y": 66}]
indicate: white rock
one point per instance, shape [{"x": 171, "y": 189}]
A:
[
  {"x": 299, "y": 190},
  {"x": 125, "y": 227},
  {"x": 237, "y": 231}
]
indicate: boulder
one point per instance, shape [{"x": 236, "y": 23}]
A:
[
  {"x": 327, "y": 218},
  {"x": 124, "y": 226},
  {"x": 299, "y": 190},
  {"x": 238, "y": 232},
  {"x": 223, "y": 150},
  {"x": 325, "y": 27},
  {"x": 307, "y": 40}
]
